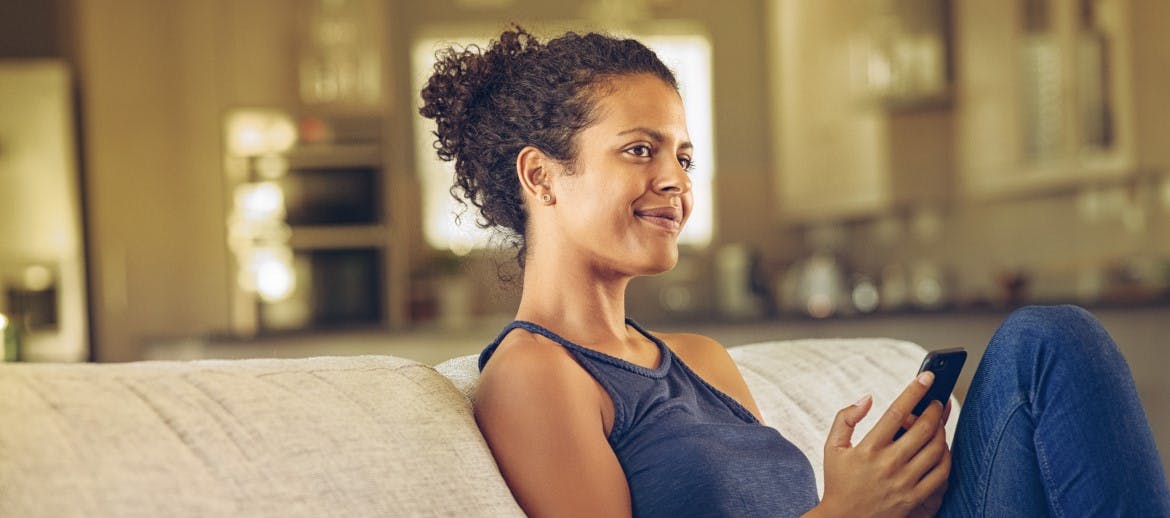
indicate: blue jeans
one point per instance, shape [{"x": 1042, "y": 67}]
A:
[{"x": 1052, "y": 426}]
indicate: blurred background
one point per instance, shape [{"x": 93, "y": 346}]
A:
[{"x": 216, "y": 178}]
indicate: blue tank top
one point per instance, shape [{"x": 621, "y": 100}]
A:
[{"x": 686, "y": 448}]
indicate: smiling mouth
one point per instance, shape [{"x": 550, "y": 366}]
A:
[{"x": 665, "y": 218}]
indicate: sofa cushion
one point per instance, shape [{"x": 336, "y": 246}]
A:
[
  {"x": 463, "y": 371},
  {"x": 356, "y": 436}
]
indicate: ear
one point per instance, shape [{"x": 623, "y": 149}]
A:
[{"x": 535, "y": 172}]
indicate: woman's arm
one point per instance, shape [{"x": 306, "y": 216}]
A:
[{"x": 541, "y": 414}]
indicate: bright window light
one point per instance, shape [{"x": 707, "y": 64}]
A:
[
  {"x": 688, "y": 55},
  {"x": 274, "y": 280},
  {"x": 260, "y": 201},
  {"x": 259, "y": 132}
]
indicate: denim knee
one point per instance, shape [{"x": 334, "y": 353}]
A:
[{"x": 1035, "y": 330}]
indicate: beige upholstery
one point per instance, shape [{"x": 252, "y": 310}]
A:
[
  {"x": 356, "y": 436},
  {"x": 340, "y": 436}
]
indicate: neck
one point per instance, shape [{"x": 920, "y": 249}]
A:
[{"x": 584, "y": 305}]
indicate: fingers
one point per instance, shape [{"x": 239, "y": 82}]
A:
[
  {"x": 935, "y": 480},
  {"x": 930, "y": 506},
  {"x": 930, "y": 454},
  {"x": 841, "y": 433},
  {"x": 898, "y": 411},
  {"x": 920, "y": 433},
  {"x": 909, "y": 421}
]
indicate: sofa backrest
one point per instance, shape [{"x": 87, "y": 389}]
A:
[
  {"x": 337, "y": 436},
  {"x": 353, "y": 436}
]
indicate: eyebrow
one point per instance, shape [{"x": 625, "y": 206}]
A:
[{"x": 656, "y": 136}]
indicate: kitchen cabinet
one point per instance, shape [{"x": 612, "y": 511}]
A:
[
  {"x": 309, "y": 227},
  {"x": 861, "y": 111},
  {"x": 314, "y": 215},
  {"x": 1045, "y": 97}
]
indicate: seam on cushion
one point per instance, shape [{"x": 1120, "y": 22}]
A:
[
  {"x": 395, "y": 369},
  {"x": 208, "y": 463},
  {"x": 429, "y": 389},
  {"x": 30, "y": 384},
  {"x": 322, "y": 370},
  {"x": 415, "y": 376},
  {"x": 59, "y": 415},
  {"x": 467, "y": 395},
  {"x": 223, "y": 424},
  {"x": 432, "y": 389},
  {"x": 353, "y": 368},
  {"x": 407, "y": 376},
  {"x": 366, "y": 409}
]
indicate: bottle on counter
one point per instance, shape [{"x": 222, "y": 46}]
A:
[
  {"x": 10, "y": 336},
  {"x": 735, "y": 265}
]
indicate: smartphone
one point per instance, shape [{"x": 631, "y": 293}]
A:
[{"x": 946, "y": 364}]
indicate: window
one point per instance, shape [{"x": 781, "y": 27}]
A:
[{"x": 688, "y": 55}]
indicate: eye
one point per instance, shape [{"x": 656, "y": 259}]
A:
[
  {"x": 687, "y": 163},
  {"x": 640, "y": 150}
]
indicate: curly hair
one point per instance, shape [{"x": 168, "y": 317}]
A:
[{"x": 488, "y": 104}]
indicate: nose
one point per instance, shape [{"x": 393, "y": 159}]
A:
[{"x": 673, "y": 179}]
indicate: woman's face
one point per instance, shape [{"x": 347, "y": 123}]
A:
[{"x": 628, "y": 194}]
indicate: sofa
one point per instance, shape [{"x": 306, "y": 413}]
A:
[{"x": 333, "y": 436}]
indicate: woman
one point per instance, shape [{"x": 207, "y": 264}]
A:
[{"x": 578, "y": 149}]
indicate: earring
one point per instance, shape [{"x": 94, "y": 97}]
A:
[{"x": 546, "y": 198}]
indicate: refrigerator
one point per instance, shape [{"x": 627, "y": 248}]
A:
[{"x": 42, "y": 254}]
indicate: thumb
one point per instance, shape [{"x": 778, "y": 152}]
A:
[{"x": 841, "y": 433}]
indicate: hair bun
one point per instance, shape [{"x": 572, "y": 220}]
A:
[{"x": 462, "y": 77}]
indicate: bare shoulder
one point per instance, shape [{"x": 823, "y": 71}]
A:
[
  {"x": 534, "y": 386},
  {"x": 711, "y": 361},
  {"x": 696, "y": 345},
  {"x": 540, "y": 412},
  {"x": 702, "y": 354},
  {"x": 525, "y": 366}
]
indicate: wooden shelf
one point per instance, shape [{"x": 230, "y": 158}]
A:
[
  {"x": 339, "y": 236},
  {"x": 1021, "y": 118},
  {"x": 334, "y": 155}
]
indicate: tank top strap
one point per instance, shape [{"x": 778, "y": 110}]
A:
[{"x": 666, "y": 357}]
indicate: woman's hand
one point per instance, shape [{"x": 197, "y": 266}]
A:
[
  {"x": 931, "y": 505},
  {"x": 883, "y": 477}
]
